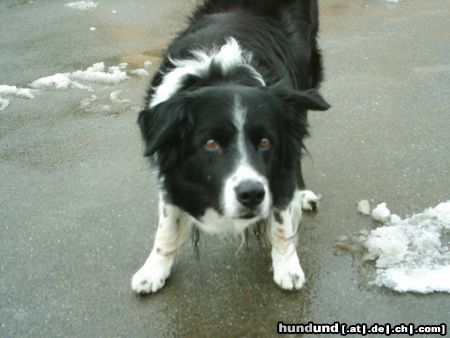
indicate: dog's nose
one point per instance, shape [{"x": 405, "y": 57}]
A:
[{"x": 250, "y": 193}]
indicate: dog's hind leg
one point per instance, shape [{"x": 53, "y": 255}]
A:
[
  {"x": 173, "y": 228},
  {"x": 309, "y": 200},
  {"x": 287, "y": 272}
]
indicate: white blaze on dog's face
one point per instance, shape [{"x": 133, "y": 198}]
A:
[{"x": 246, "y": 193}]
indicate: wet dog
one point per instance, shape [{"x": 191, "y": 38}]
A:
[{"x": 224, "y": 123}]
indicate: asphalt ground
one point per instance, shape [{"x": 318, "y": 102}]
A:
[{"x": 78, "y": 202}]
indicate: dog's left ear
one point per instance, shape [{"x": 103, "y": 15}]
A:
[
  {"x": 296, "y": 103},
  {"x": 309, "y": 99}
]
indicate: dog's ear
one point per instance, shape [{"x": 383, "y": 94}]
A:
[
  {"x": 165, "y": 128},
  {"x": 309, "y": 99},
  {"x": 296, "y": 103}
]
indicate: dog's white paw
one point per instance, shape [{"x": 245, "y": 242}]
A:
[
  {"x": 288, "y": 273},
  {"x": 309, "y": 200},
  {"x": 150, "y": 278}
]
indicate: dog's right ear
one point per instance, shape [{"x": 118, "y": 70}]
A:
[{"x": 165, "y": 128}]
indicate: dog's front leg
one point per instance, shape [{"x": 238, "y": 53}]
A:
[
  {"x": 287, "y": 272},
  {"x": 170, "y": 235}
]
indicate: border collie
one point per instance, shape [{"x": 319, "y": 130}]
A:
[{"x": 224, "y": 123}]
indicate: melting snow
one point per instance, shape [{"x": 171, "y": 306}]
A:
[
  {"x": 97, "y": 73},
  {"x": 4, "y": 103},
  {"x": 60, "y": 81},
  {"x": 139, "y": 72},
  {"x": 7, "y": 91},
  {"x": 412, "y": 254},
  {"x": 114, "y": 97},
  {"x": 147, "y": 64},
  {"x": 82, "y": 5},
  {"x": 381, "y": 213},
  {"x": 87, "y": 101},
  {"x": 364, "y": 207}
]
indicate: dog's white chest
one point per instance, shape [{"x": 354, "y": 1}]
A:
[{"x": 213, "y": 223}]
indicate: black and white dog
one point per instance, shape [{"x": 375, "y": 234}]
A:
[{"x": 224, "y": 124}]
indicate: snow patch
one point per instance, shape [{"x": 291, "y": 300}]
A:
[
  {"x": 141, "y": 72},
  {"x": 114, "y": 97},
  {"x": 395, "y": 218},
  {"x": 58, "y": 81},
  {"x": 9, "y": 91},
  {"x": 4, "y": 103},
  {"x": 364, "y": 207},
  {"x": 412, "y": 254},
  {"x": 82, "y": 5},
  {"x": 88, "y": 101},
  {"x": 147, "y": 64},
  {"x": 62, "y": 81},
  {"x": 98, "y": 73},
  {"x": 381, "y": 213},
  {"x": 393, "y": 1}
]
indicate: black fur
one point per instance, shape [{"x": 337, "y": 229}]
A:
[{"x": 281, "y": 35}]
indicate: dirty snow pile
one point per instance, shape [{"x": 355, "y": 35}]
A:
[
  {"x": 25, "y": 93},
  {"x": 82, "y": 5},
  {"x": 381, "y": 213},
  {"x": 95, "y": 73},
  {"x": 364, "y": 207},
  {"x": 7, "y": 92},
  {"x": 4, "y": 103},
  {"x": 80, "y": 79},
  {"x": 140, "y": 72},
  {"x": 114, "y": 97},
  {"x": 412, "y": 254},
  {"x": 59, "y": 81}
]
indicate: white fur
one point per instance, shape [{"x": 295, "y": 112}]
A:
[
  {"x": 287, "y": 271},
  {"x": 214, "y": 223},
  {"x": 171, "y": 234},
  {"x": 153, "y": 274},
  {"x": 228, "y": 56},
  {"x": 309, "y": 199},
  {"x": 243, "y": 172}
]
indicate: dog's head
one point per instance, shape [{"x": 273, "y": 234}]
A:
[{"x": 229, "y": 147}]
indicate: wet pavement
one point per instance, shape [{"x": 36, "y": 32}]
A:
[{"x": 78, "y": 201}]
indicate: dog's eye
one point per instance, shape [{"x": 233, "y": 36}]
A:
[
  {"x": 212, "y": 145},
  {"x": 264, "y": 144}
]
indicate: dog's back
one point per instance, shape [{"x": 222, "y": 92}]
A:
[{"x": 280, "y": 34}]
